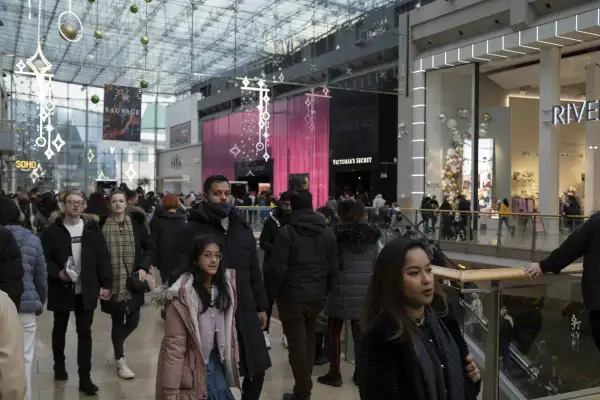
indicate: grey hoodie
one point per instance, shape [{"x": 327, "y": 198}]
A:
[{"x": 35, "y": 273}]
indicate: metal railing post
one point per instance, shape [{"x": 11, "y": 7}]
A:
[{"x": 491, "y": 369}]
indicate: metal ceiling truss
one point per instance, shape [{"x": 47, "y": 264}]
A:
[{"x": 222, "y": 37}]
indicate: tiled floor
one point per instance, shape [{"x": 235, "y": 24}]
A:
[{"x": 142, "y": 352}]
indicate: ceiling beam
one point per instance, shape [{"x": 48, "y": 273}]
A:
[{"x": 18, "y": 35}]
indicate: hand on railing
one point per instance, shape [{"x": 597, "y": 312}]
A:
[{"x": 533, "y": 270}]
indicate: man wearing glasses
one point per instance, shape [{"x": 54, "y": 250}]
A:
[{"x": 79, "y": 272}]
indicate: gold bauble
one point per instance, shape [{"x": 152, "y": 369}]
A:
[
  {"x": 144, "y": 40},
  {"x": 133, "y": 8},
  {"x": 98, "y": 34},
  {"x": 68, "y": 31},
  {"x": 486, "y": 117}
]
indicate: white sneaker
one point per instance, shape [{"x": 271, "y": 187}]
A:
[
  {"x": 123, "y": 370},
  {"x": 267, "y": 339},
  {"x": 284, "y": 341}
]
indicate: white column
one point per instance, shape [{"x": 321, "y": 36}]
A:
[
  {"x": 592, "y": 143},
  {"x": 548, "y": 136}
]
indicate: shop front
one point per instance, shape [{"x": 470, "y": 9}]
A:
[
  {"x": 360, "y": 160},
  {"x": 524, "y": 105}
]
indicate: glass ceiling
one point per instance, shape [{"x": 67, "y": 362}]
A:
[{"x": 188, "y": 40}]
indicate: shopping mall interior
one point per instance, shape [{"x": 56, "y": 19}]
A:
[{"x": 469, "y": 125}]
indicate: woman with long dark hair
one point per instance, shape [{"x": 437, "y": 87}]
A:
[
  {"x": 200, "y": 339},
  {"x": 411, "y": 348},
  {"x": 357, "y": 247}
]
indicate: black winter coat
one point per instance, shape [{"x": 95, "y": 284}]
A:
[
  {"x": 144, "y": 259},
  {"x": 583, "y": 242},
  {"x": 96, "y": 272},
  {"x": 239, "y": 253},
  {"x": 357, "y": 251},
  {"x": 389, "y": 369},
  {"x": 11, "y": 267},
  {"x": 268, "y": 235},
  {"x": 164, "y": 228},
  {"x": 305, "y": 260}
]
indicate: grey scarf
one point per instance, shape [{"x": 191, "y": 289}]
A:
[{"x": 441, "y": 383}]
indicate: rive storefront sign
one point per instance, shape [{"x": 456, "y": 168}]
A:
[{"x": 576, "y": 112}]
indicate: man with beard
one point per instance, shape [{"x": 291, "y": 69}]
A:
[
  {"x": 277, "y": 218},
  {"x": 217, "y": 218}
]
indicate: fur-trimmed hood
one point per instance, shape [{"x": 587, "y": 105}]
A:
[
  {"x": 181, "y": 298},
  {"x": 60, "y": 215},
  {"x": 165, "y": 293}
]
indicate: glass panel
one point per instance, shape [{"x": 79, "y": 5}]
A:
[{"x": 545, "y": 337}]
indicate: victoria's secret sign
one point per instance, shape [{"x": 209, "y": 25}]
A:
[{"x": 576, "y": 112}]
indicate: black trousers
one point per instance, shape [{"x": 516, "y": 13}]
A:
[
  {"x": 83, "y": 326},
  {"x": 299, "y": 323},
  {"x": 122, "y": 326},
  {"x": 252, "y": 387},
  {"x": 333, "y": 336}
]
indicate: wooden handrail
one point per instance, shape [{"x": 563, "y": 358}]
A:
[{"x": 493, "y": 274}]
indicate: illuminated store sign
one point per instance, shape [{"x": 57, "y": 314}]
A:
[
  {"x": 26, "y": 165},
  {"x": 351, "y": 161},
  {"x": 576, "y": 112}
]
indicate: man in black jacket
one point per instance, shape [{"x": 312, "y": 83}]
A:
[
  {"x": 277, "y": 218},
  {"x": 11, "y": 267},
  {"x": 583, "y": 242},
  {"x": 304, "y": 259},
  {"x": 217, "y": 218},
  {"x": 79, "y": 272}
]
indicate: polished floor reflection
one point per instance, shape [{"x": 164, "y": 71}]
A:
[{"x": 141, "y": 352}]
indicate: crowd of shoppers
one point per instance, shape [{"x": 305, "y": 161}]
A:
[{"x": 69, "y": 252}]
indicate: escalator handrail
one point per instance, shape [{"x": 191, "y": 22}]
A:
[{"x": 523, "y": 362}]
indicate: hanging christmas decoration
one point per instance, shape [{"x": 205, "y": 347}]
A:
[
  {"x": 486, "y": 117},
  {"x": 143, "y": 84},
  {"x": 98, "y": 34},
  {"x": 39, "y": 67},
  {"x": 95, "y": 99},
  {"x": 69, "y": 25},
  {"x": 463, "y": 113},
  {"x": 144, "y": 40},
  {"x": 91, "y": 1},
  {"x": 133, "y": 8},
  {"x": 37, "y": 173},
  {"x": 442, "y": 118},
  {"x": 263, "y": 115},
  {"x": 148, "y": 1}
]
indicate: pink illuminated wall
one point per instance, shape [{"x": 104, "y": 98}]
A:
[{"x": 294, "y": 147}]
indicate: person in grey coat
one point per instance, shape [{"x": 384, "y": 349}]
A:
[
  {"x": 35, "y": 278},
  {"x": 358, "y": 249}
]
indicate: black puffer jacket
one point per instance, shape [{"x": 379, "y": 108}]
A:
[
  {"x": 11, "y": 267},
  {"x": 269, "y": 233},
  {"x": 357, "y": 249},
  {"x": 304, "y": 260},
  {"x": 164, "y": 228}
]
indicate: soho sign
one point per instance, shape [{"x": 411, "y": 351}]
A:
[
  {"x": 350, "y": 161},
  {"x": 576, "y": 112}
]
